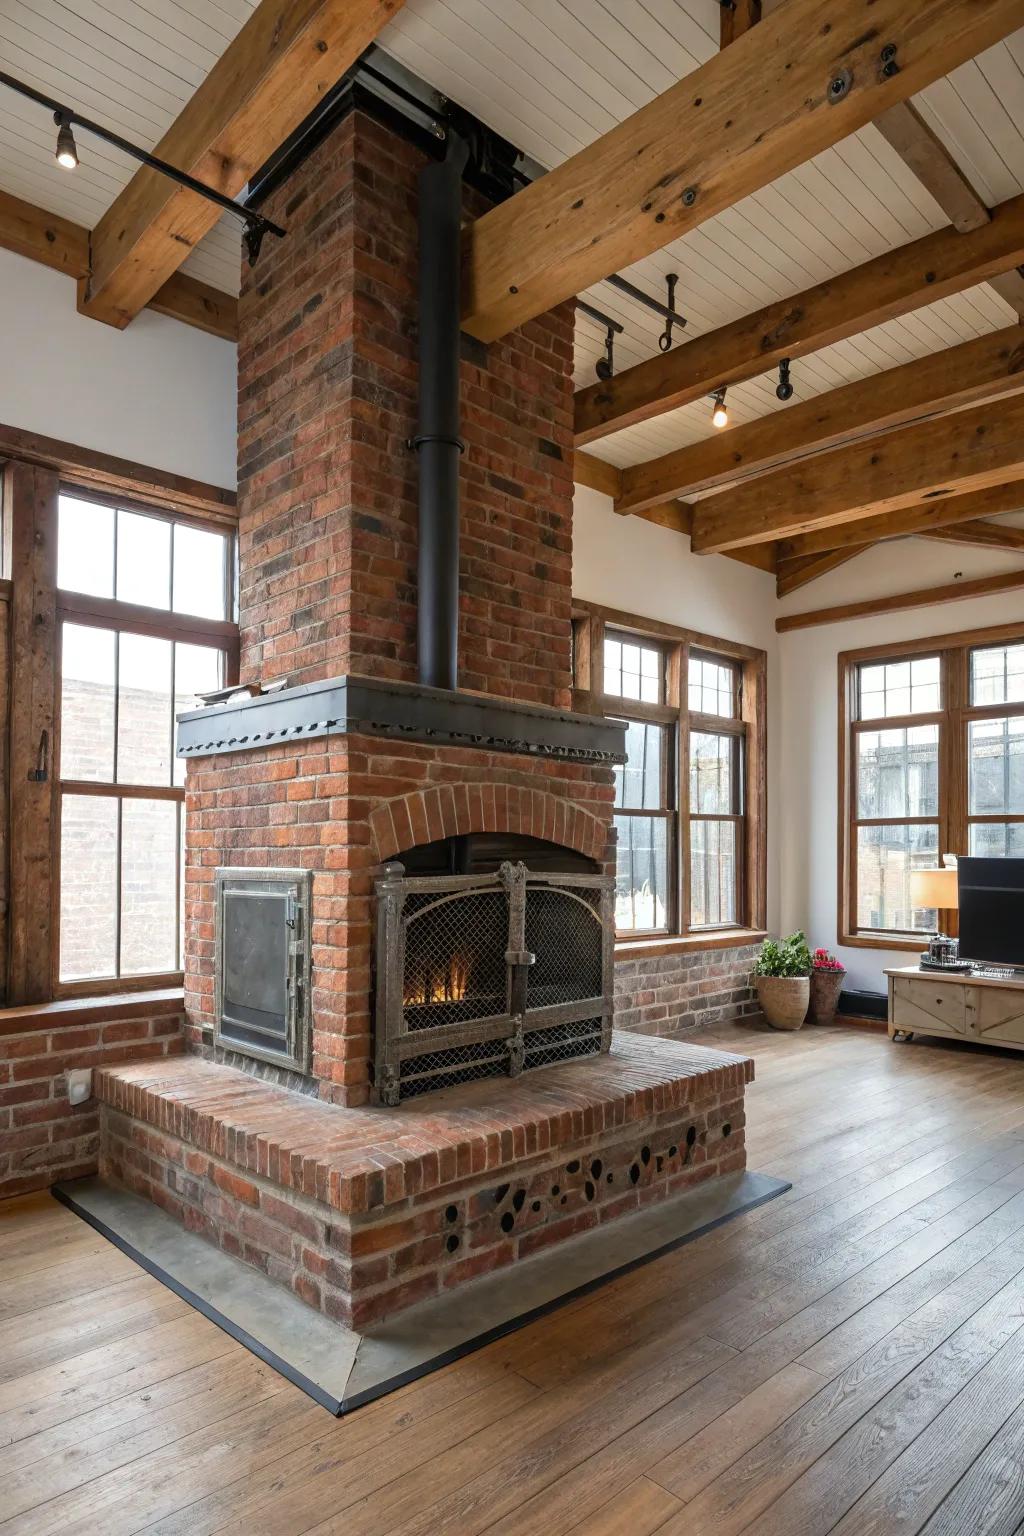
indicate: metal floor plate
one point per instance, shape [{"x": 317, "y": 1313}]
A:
[{"x": 341, "y": 1369}]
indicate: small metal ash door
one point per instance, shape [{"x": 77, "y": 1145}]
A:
[{"x": 263, "y": 961}]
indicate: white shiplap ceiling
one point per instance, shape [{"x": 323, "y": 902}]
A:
[{"x": 552, "y": 75}]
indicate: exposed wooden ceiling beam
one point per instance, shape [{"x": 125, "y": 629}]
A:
[
  {"x": 967, "y": 451},
  {"x": 737, "y": 17},
  {"x": 931, "y": 268},
  {"x": 64, "y": 246},
  {"x": 269, "y": 78},
  {"x": 903, "y": 127},
  {"x": 597, "y": 474},
  {"x": 983, "y": 535},
  {"x": 807, "y": 76},
  {"x": 981, "y": 369},
  {"x": 922, "y": 521},
  {"x": 797, "y": 572},
  {"x": 924, "y": 597}
]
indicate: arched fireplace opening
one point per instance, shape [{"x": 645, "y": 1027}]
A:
[{"x": 493, "y": 956}]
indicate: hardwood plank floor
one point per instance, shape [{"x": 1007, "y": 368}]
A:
[{"x": 848, "y": 1359}]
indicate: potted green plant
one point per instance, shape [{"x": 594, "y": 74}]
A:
[
  {"x": 782, "y": 977},
  {"x": 826, "y": 984}
]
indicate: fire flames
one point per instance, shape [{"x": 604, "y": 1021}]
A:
[{"x": 439, "y": 986}]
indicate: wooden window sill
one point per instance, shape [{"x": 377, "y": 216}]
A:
[
  {"x": 93, "y": 1010},
  {"x": 877, "y": 941},
  {"x": 731, "y": 938}
]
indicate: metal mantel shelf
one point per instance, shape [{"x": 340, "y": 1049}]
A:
[{"x": 367, "y": 706}]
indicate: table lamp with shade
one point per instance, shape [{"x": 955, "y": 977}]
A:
[{"x": 938, "y": 889}]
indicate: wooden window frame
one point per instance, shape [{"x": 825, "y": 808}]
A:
[
  {"x": 157, "y": 623},
  {"x": 953, "y": 719},
  {"x": 748, "y": 727}
]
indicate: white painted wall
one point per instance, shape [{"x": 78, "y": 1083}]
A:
[
  {"x": 626, "y": 563},
  {"x": 160, "y": 393},
  {"x": 806, "y": 836}
]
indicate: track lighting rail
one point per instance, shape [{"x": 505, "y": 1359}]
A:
[{"x": 255, "y": 225}]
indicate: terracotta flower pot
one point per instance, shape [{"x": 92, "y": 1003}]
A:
[
  {"x": 784, "y": 999},
  {"x": 825, "y": 989}
]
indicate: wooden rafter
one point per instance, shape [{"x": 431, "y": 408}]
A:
[
  {"x": 737, "y": 17},
  {"x": 906, "y": 131},
  {"x": 922, "y": 521},
  {"x": 983, "y": 535},
  {"x": 64, "y": 246},
  {"x": 966, "y": 451},
  {"x": 931, "y": 268},
  {"x": 269, "y": 78},
  {"x": 797, "y": 572},
  {"x": 924, "y": 597},
  {"x": 807, "y": 76},
  {"x": 981, "y": 369}
]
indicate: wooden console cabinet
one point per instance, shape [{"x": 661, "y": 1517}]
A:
[{"x": 987, "y": 1010}]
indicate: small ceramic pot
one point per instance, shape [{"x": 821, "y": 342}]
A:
[
  {"x": 784, "y": 999},
  {"x": 825, "y": 989}
]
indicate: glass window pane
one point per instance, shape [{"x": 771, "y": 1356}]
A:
[
  {"x": 638, "y": 784},
  {"x": 898, "y": 772},
  {"x": 900, "y": 688},
  {"x": 633, "y": 670},
  {"x": 712, "y": 789},
  {"x": 997, "y": 675},
  {"x": 997, "y": 839},
  {"x": 996, "y": 766},
  {"x": 143, "y": 560},
  {"x": 712, "y": 873},
  {"x": 199, "y": 568},
  {"x": 641, "y": 873},
  {"x": 885, "y": 858},
  {"x": 149, "y": 909},
  {"x": 85, "y": 547},
  {"x": 197, "y": 669},
  {"x": 711, "y": 687},
  {"x": 88, "y": 887},
  {"x": 144, "y": 710},
  {"x": 88, "y": 662}
]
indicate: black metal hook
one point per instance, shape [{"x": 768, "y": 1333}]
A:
[
  {"x": 671, "y": 318},
  {"x": 605, "y": 366}
]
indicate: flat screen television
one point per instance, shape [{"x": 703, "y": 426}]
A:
[{"x": 992, "y": 910}]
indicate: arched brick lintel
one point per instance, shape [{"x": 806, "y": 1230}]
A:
[{"x": 453, "y": 810}]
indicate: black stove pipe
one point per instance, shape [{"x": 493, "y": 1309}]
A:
[{"x": 437, "y": 443}]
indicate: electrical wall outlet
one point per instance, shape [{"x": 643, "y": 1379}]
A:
[{"x": 79, "y": 1084}]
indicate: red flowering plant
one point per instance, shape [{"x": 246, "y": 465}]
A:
[{"x": 824, "y": 960}]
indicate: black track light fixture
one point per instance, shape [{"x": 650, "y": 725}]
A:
[
  {"x": 67, "y": 150},
  {"x": 255, "y": 226},
  {"x": 719, "y": 411},
  {"x": 784, "y": 388}
]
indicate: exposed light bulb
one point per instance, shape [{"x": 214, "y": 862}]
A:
[
  {"x": 67, "y": 149},
  {"x": 720, "y": 415}
]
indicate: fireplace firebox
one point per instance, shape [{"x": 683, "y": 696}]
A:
[{"x": 487, "y": 974}]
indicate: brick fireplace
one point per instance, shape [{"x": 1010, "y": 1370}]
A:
[{"x": 305, "y": 1167}]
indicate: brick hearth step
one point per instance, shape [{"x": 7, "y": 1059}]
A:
[{"x": 364, "y": 1211}]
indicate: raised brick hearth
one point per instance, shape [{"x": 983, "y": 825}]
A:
[{"x": 364, "y": 1212}]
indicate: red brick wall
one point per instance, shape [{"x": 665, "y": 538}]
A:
[
  {"x": 671, "y": 994},
  {"x": 339, "y": 807},
  {"x": 327, "y": 483},
  {"x": 43, "y": 1137}
]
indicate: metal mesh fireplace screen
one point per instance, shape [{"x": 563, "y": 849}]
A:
[{"x": 488, "y": 974}]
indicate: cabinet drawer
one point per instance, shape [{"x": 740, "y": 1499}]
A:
[{"x": 935, "y": 1008}]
